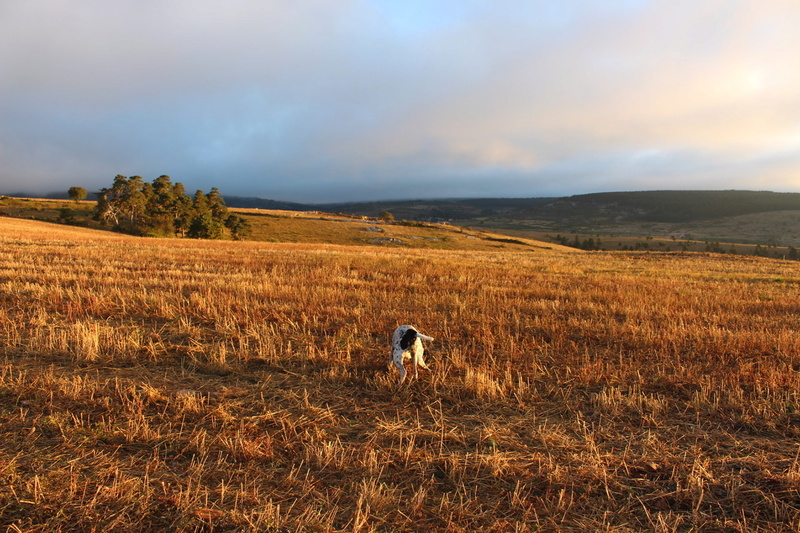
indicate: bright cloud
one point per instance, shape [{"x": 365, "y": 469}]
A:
[{"x": 362, "y": 99}]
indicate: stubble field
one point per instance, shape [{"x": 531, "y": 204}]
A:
[{"x": 180, "y": 385}]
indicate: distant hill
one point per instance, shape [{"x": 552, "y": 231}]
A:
[
  {"x": 285, "y": 226},
  {"x": 438, "y": 210},
  {"x": 727, "y": 216},
  {"x": 55, "y": 195},
  {"x": 667, "y": 206},
  {"x": 230, "y": 201},
  {"x": 419, "y": 210},
  {"x": 756, "y": 217},
  {"x": 642, "y": 206},
  {"x": 252, "y": 202},
  {"x": 650, "y": 206}
]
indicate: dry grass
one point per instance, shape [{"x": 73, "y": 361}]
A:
[
  {"x": 212, "y": 386},
  {"x": 310, "y": 228},
  {"x": 325, "y": 228}
]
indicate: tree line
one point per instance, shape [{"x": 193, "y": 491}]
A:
[
  {"x": 586, "y": 244},
  {"x": 163, "y": 209}
]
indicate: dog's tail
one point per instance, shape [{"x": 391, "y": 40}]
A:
[{"x": 424, "y": 337}]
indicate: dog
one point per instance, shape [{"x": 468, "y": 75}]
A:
[{"x": 407, "y": 345}]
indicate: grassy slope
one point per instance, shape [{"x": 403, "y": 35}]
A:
[
  {"x": 314, "y": 227},
  {"x": 152, "y": 384},
  {"x": 302, "y": 227},
  {"x": 614, "y": 217},
  {"x": 743, "y": 217},
  {"x": 645, "y": 206},
  {"x": 776, "y": 228}
]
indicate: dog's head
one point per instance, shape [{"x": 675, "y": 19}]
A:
[{"x": 408, "y": 338}]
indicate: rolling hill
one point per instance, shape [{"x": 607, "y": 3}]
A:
[
  {"x": 302, "y": 227},
  {"x": 643, "y": 206},
  {"x": 752, "y": 218},
  {"x": 748, "y": 217}
]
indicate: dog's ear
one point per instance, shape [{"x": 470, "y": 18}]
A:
[{"x": 408, "y": 338}]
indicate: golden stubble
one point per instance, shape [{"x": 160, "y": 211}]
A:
[{"x": 171, "y": 384}]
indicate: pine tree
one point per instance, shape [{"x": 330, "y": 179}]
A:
[{"x": 162, "y": 208}]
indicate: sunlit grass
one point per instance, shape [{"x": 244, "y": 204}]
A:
[
  {"x": 151, "y": 384},
  {"x": 305, "y": 227}
]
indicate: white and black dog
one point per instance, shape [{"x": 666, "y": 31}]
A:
[{"x": 407, "y": 345}]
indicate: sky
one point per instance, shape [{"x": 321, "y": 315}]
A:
[{"x": 353, "y": 100}]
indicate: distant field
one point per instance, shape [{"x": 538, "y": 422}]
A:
[
  {"x": 777, "y": 230},
  {"x": 309, "y": 228},
  {"x": 324, "y": 228},
  {"x": 743, "y": 218},
  {"x": 185, "y": 385},
  {"x": 771, "y": 234}
]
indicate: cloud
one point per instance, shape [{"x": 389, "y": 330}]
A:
[{"x": 317, "y": 101}]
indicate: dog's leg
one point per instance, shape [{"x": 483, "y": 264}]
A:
[
  {"x": 418, "y": 360},
  {"x": 422, "y": 363},
  {"x": 397, "y": 357}
]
